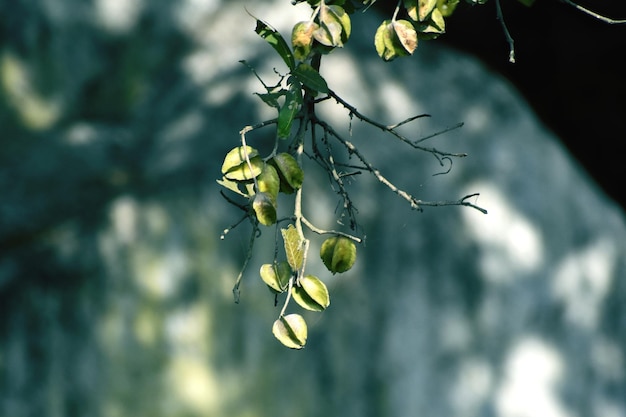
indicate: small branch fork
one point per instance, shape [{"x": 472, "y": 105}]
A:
[
  {"x": 391, "y": 129},
  {"x": 415, "y": 203}
]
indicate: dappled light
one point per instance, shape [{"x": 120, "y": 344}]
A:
[{"x": 116, "y": 290}]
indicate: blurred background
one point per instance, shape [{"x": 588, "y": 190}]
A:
[{"x": 115, "y": 287}]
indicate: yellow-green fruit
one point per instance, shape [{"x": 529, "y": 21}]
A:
[
  {"x": 291, "y": 331},
  {"x": 290, "y": 173},
  {"x": 264, "y": 206},
  {"x": 446, "y": 7},
  {"x": 302, "y": 39},
  {"x": 311, "y": 293},
  {"x": 338, "y": 254},
  {"x": 236, "y": 167},
  {"x": 269, "y": 181},
  {"x": 276, "y": 276}
]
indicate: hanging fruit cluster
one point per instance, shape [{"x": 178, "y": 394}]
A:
[{"x": 259, "y": 180}]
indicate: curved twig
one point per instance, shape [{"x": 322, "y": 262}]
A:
[
  {"x": 594, "y": 14},
  {"x": 314, "y": 229}
]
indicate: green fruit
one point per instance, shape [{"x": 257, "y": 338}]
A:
[
  {"x": 264, "y": 206},
  {"x": 269, "y": 181},
  {"x": 290, "y": 173},
  {"x": 338, "y": 254},
  {"x": 235, "y": 166},
  {"x": 276, "y": 276},
  {"x": 446, "y": 7},
  {"x": 291, "y": 331},
  {"x": 302, "y": 39},
  {"x": 311, "y": 293},
  {"x": 236, "y": 156}
]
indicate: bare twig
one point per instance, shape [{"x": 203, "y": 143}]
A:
[
  {"x": 381, "y": 178},
  {"x": 436, "y": 152},
  {"x": 508, "y": 36},
  {"x": 330, "y": 166},
  {"x": 314, "y": 229},
  {"x": 441, "y": 132},
  {"x": 414, "y": 202},
  {"x": 231, "y": 227},
  {"x": 595, "y": 15},
  {"x": 253, "y": 236},
  {"x": 282, "y": 310},
  {"x": 405, "y": 121},
  {"x": 461, "y": 202}
]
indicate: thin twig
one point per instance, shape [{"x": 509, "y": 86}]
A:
[
  {"x": 233, "y": 202},
  {"x": 414, "y": 202},
  {"x": 395, "y": 13},
  {"x": 405, "y": 121},
  {"x": 332, "y": 170},
  {"x": 253, "y": 236},
  {"x": 595, "y": 15},
  {"x": 314, "y": 229},
  {"x": 460, "y": 202},
  {"x": 508, "y": 36},
  {"x": 437, "y": 153},
  {"x": 232, "y": 226},
  {"x": 381, "y": 178},
  {"x": 282, "y": 310},
  {"x": 441, "y": 132}
]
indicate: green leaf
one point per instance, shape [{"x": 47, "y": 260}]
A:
[
  {"x": 311, "y": 79},
  {"x": 231, "y": 185},
  {"x": 274, "y": 38},
  {"x": 293, "y": 247},
  {"x": 291, "y": 331},
  {"x": 271, "y": 99},
  {"x": 311, "y": 294},
  {"x": 293, "y": 101},
  {"x": 527, "y": 3}
]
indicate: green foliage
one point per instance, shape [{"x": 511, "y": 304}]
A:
[
  {"x": 259, "y": 180},
  {"x": 294, "y": 247}
]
